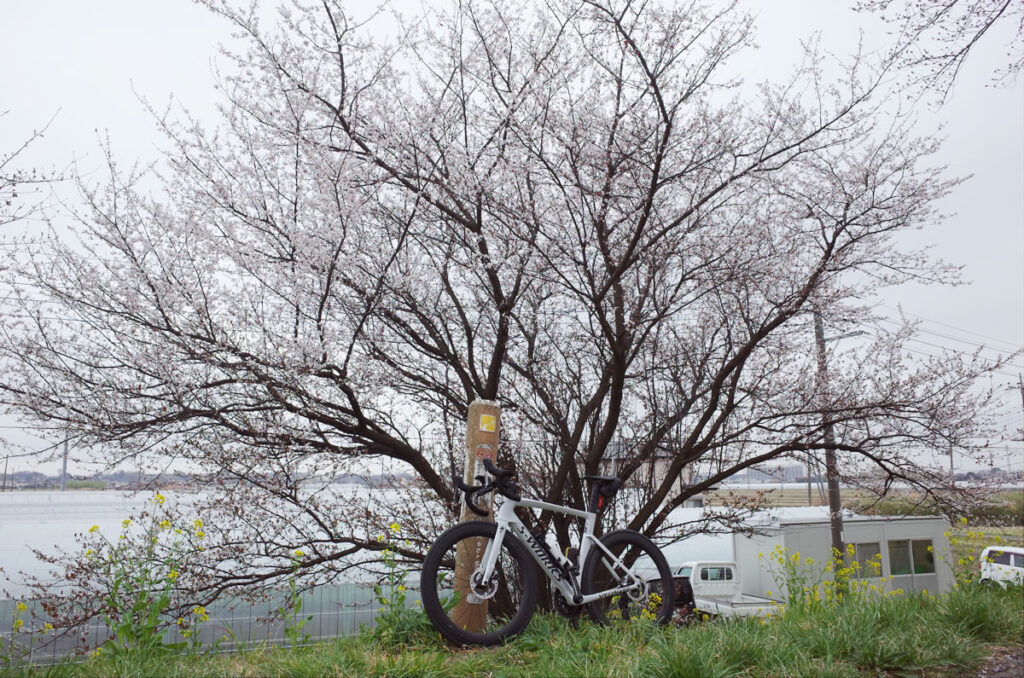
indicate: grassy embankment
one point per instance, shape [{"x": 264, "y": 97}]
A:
[{"x": 869, "y": 635}]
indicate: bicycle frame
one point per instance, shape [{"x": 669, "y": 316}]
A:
[{"x": 507, "y": 521}]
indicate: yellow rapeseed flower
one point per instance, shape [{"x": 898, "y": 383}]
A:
[
  {"x": 395, "y": 527},
  {"x": 299, "y": 553},
  {"x": 172, "y": 575},
  {"x": 18, "y": 624},
  {"x": 47, "y": 627},
  {"x": 94, "y": 528},
  {"x": 165, "y": 524},
  {"x": 21, "y": 607},
  {"x": 200, "y": 534},
  {"x": 126, "y": 522}
]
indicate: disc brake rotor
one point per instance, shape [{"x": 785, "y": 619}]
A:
[{"x": 479, "y": 589}]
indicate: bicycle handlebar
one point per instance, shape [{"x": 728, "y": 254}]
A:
[
  {"x": 501, "y": 481},
  {"x": 470, "y": 491}
]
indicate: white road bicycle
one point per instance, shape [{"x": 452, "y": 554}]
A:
[{"x": 479, "y": 586}]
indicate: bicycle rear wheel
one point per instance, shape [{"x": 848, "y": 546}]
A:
[
  {"x": 462, "y": 607},
  {"x": 652, "y": 591}
]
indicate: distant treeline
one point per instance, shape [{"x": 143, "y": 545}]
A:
[
  {"x": 137, "y": 480},
  {"x": 1004, "y": 508}
]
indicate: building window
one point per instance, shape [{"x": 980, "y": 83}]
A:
[
  {"x": 911, "y": 557},
  {"x": 899, "y": 557},
  {"x": 868, "y": 557},
  {"x": 924, "y": 559}
]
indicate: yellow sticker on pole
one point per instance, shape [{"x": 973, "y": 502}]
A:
[{"x": 488, "y": 423}]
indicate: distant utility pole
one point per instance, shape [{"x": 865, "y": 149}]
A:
[
  {"x": 835, "y": 507},
  {"x": 835, "y": 516},
  {"x": 64, "y": 467},
  {"x": 809, "y": 502},
  {"x": 1020, "y": 382}
]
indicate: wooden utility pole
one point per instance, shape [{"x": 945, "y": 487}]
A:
[
  {"x": 482, "y": 430},
  {"x": 835, "y": 508}
]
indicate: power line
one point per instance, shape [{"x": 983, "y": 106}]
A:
[
  {"x": 952, "y": 327},
  {"x": 933, "y": 355},
  {"x": 952, "y": 350},
  {"x": 1007, "y": 346}
]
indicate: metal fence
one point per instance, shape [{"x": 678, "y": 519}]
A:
[{"x": 334, "y": 611}]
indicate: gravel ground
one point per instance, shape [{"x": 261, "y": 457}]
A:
[{"x": 1004, "y": 663}]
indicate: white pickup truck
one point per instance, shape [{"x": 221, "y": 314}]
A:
[
  {"x": 713, "y": 587},
  {"x": 1002, "y": 565}
]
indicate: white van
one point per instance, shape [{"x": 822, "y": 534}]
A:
[{"x": 1003, "y": 565}]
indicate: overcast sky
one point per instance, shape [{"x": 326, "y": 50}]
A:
[{"x": 85, "y": 63}]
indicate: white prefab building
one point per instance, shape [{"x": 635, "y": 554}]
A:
[{"x": 914, "y": 551}]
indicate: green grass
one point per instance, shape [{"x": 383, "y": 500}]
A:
[
  {"x": 86, "y": 485},
  {"x": 904, "y": 635}
]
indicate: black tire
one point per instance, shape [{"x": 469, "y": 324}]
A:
[
  {"x": 649, "y": 600},
  {"x": 508, "y": 606}
]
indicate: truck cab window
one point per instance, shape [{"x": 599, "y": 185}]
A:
[{"x": 716, "y": 573}]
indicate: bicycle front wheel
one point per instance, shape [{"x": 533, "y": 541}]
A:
[
  {"x": 637, "y": 564},
  {"x": 464, "y": 608}
]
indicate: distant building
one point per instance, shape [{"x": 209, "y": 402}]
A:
[
  {"x": 653, "y": 472},
  {"x": 909, "y": 553}
]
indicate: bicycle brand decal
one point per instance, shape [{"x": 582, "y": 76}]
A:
[{"x": 543, "y": 555}]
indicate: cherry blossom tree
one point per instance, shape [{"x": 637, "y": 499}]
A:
[
  {"x": 570, "y": 208},
  {"x": 935, "y": 38},
  {"x": 16, "y": 183}
]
